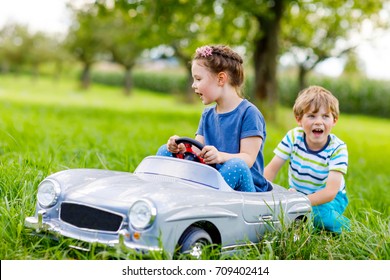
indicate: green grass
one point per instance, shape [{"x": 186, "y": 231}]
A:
[{"x": 48, "y": 126}]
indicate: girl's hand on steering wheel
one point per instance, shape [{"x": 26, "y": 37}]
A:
[
  {"x": 210, "y": 154},
  {"x": 173, "y": 147}
]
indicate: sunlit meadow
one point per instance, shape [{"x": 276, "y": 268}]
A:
[{"x": 47, "y": 126}]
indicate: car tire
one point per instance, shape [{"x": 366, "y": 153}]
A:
[
  {"x": 297, "y": 226},
  {"x": 194, "y": 242}
]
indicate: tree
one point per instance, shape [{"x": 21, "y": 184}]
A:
[
  {"x": 353, "y": 66},
  {"x": 260, "y": 26},
  {"x": 15, "y": 41},
  {"x": 21, "y": 48},
  {"x": 42, "y": 49},
  {"x": 311, "y": 29},
  {"x": 187, "y": 25},
  {"x": 314, "y": 31},
  {"x": 85, "y": 38},
  {"x": 127, "y": 26},
  {"x": 252, "y": 24}
]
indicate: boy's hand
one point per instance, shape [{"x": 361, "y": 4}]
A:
[{"x": 292, "y": 190}]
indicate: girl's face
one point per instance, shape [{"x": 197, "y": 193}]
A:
[
  {"x": 317, "y": 127},
  {"x": 205, "y": 83}
]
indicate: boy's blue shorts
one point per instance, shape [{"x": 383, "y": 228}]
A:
[{"x": 329, "y": 215}]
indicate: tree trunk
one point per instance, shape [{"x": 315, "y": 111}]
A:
[
  {"x": 128, "y": 82},
  {"x": 5, "y": 66},
  {"x": 35, "y": 72},
  {"x": 58, "y": 70},
  {"x": 190, "y": 94},
  {"x": 265, "y": 61},
  {"x": 86, "y": 76},
  {"x": 302, "y": 74}
]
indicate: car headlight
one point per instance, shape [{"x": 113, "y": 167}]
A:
[
  {"x": 142, "y": 214},
  {"x": 48, "y": 193}
]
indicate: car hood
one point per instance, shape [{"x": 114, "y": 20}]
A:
[{"x": 124, "y": 189}]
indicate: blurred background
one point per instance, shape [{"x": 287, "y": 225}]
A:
[
  {"x": 104, "y": 83},
  {"x": 286, "y": 45}
]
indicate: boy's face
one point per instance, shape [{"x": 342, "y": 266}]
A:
[{"x": 317, "y": 126}]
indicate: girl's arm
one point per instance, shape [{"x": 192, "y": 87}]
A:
[
  {"x": 250, "y": 147},
  {"x": 272, "y": 168},
  {"x": 329, "y": 192},
  {"x": 199, "y": 138}
]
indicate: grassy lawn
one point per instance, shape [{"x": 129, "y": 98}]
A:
[{"x": 47, "y": 126}]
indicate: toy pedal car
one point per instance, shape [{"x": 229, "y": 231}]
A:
[{"x": 167, "y": 204}]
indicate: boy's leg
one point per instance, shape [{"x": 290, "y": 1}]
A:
[
  {"x": 237, "y": 175},
  {"x": 329, "y": 215}
]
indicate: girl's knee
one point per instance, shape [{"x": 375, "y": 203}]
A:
[
  {"x": 233, "y": 168},
  {"x": 163, "y": 151},
  {"x": 237, "y": 175},
  {"x": 235, "y": 163}
]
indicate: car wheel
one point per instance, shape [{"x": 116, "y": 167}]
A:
[
  {"x": 194, "y": 242},
  {"x": 298, "y": 225}
]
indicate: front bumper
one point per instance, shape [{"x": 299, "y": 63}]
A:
[{"x": 119, "y": 240}]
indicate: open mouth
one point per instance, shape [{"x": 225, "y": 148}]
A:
[{"x": 318, "y": 131}]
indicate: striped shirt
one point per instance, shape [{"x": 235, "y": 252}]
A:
[{"x": 309, "y": 170}]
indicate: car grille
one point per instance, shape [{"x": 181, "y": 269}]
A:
[{"x": 83, "y": 216}]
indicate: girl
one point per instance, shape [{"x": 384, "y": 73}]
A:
[{"x": 232, "y": 130}]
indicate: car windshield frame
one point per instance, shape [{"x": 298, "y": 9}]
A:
[{"x": 186, "y": 170}]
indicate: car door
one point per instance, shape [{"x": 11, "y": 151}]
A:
[{"x": 262, "y": 212}]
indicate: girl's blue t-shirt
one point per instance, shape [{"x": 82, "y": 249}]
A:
[{"x": 224, "y": 131}]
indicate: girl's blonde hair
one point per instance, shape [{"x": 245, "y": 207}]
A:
[
  {"x": 315, "y": 96},
  {"x": 220, "y": 58}
]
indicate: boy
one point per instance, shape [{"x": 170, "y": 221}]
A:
[{"x": 318, "y": 159}]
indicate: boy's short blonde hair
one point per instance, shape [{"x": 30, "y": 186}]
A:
[{"x": 315, "y": 96}]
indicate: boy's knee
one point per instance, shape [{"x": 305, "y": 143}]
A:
[{"x": 325, "y": 217}]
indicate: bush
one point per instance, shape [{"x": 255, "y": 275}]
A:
[
  {"x": 356, "y": 96},
  {"x": 161, "y": 82},
  {"x": 108, "y": 78},
  {"x": 157, "y": 82}
]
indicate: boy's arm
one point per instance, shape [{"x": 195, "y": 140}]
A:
[
  {"x": 272, "y": 168},
  {"x": 329, "y": 192}
]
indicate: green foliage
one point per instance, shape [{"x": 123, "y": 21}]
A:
[
  {"x": 312, "y": 30},
  {"x": 355, "y": 95},
  {"x": 166, "y": 82},
  {"x": 161, "y": 82},
  {"x": 108, "y": 78},
  {"x": 46, "y": 127}
]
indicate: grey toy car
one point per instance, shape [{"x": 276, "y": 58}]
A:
[{"x": 169, "y": 204}]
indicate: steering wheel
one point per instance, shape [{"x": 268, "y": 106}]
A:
[{"x": 189, "y": 154}]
